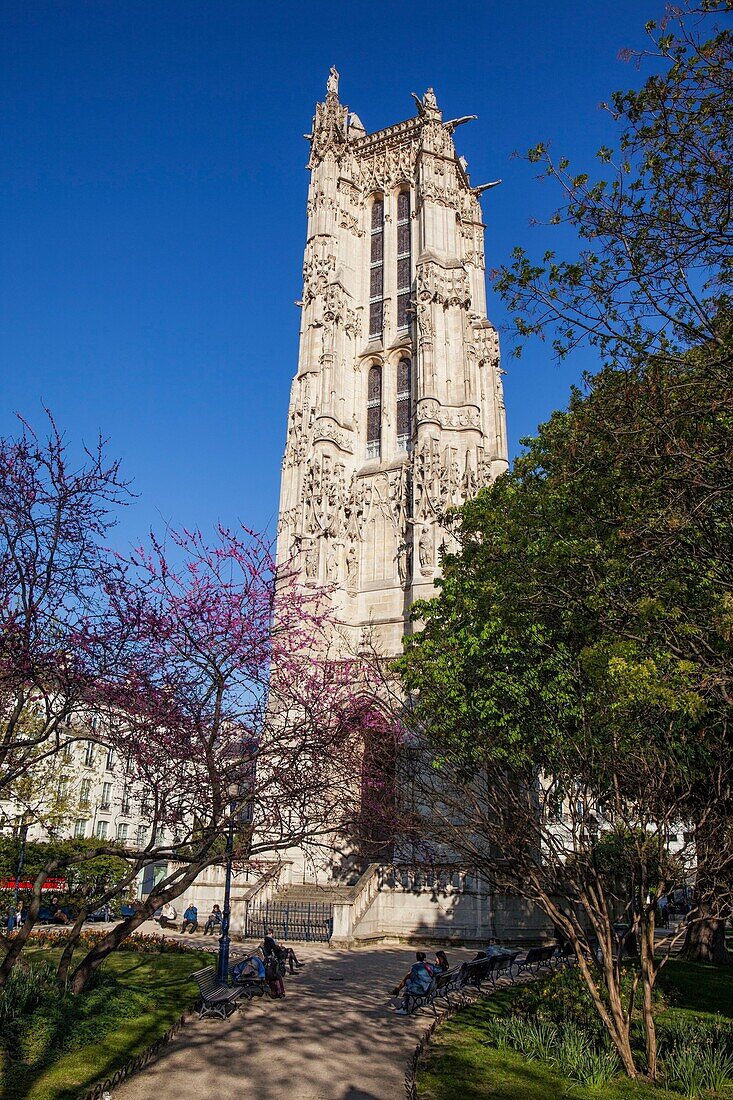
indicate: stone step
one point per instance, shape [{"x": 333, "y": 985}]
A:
[{"x": 311, "y": 893}]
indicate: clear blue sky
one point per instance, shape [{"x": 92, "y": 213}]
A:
[{"x": 152, "y": 215}]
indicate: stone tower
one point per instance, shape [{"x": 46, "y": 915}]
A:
[{"x": 396, "y": 411}]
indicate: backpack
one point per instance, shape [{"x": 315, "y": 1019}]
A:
[{"x": 274, "y": 969}]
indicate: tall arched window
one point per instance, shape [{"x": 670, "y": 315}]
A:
[
  {"x": 374, "y": 413},
  {"x": 404, "y": 260},
  {"x": 376, "y": 271},
  {"x": 404, "y": 404}
]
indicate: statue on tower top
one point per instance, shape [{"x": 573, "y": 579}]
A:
[{"x": 332, "y": 84}]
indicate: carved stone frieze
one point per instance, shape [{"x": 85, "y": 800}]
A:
[
  {"x": 446, "y": 285},
  {"x": 326, "y": 431},
  {"x": 350, "y": 221},
  {"x": 448, "y": 416},
  {"x": 385, "y": 166},
  {"x": 317, "y": 270},
  {"x": 486, "y": 342}
]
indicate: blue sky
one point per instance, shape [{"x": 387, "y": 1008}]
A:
[{"x": 152, "y": 217}]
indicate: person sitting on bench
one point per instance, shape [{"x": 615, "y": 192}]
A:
[
  {"x": 440, "y": 966},
  {"x": 270, "y": 946},
  {"x": 417, "y": 981},
  {"x": 190, "y": 917},
  {"x": 213, "y": 924}
]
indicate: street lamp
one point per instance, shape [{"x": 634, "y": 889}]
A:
[
  {"x": 22, "y": 835},
  {"x": 224, "y": 940}
]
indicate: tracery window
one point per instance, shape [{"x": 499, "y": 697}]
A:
[
  {"x": 404, "y": 404},
  {"x": 376, "y": 271},
  {"x": 374, "y": 412},
  {"x": 404, "y": 260}
]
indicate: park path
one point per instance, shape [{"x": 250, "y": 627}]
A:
[{"x": 333, "y": 1037}]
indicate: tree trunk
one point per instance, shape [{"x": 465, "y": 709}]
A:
[
  {"x": 648, "y": 977},
  {"x": 62, "y": 971},
  {"x": 94, "y": 958},
  {"x": 705, "y": 939},
  {"x": 614, "y": 1022}
]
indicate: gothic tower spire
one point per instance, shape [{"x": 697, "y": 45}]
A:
[{"x": 396, "y": 409}]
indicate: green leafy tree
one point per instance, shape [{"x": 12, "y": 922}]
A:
[
  {"x": 655, "y": 237},
  {"x": 574, "y": 674},
  {"x": 649, "y": 290}
]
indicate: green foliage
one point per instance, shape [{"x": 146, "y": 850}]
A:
[
  {"x": 653, "y": 270},
  {"x": 567, "y": 1048},
  {"x": 563, "y": 997},
  {"x": 24, "y": 990},
  {"x": 53, "y": 1044},
  {"x": 693, "y": 1070},
  {"x": 696, "y": 1032},
  {"x": 88, "y": 873}
]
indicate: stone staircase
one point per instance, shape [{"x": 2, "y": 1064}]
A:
[{"x": 311, "y": 893}]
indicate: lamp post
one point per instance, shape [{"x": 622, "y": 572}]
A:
[
  {"x": 22, "y": 835},
  {"x": 224, "y": 940}
]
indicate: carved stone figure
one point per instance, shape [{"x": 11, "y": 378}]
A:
[
  {"x": 404, "y": 561},
  {"x": 332, "y": 84},
  {"x": 352, "y": 570},
  {"x": 426, "y": 550},
  {"x": 311, "y": 562},
  {"x": 332, "y": 562}
]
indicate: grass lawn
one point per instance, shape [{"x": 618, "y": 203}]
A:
[
  {"x": 64, "y": 1048},
  {"x": 460, "y": 1066}
]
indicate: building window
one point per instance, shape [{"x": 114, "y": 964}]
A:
[
  {"x": 80, "y": 829},
  {"x": 404, "y": 260},
  {"x": 374, "y": 412},
  {"x": 110, "y": 759},
  {"x": 106, "y": 796},
  {"x": 85, "y": 792},
  {"x": 376, "y": 271},
  {"x": 63, "y": 787},
  {"x": 89, "y": 755},
  {"x": 102, "y": 827},
  {"x": 404, "y": 404},
  {"x": 141, "y": 837},
  {"x": 122, "y": 831}
]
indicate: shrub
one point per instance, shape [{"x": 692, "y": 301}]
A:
[
  {"x": 138, "y": 942},
  {"x": 24, "y": 990},
  {"x": 697, "y": 1054},
  {"x": 570, "y": 1050},
  {"x": 695, "y": 1033}
]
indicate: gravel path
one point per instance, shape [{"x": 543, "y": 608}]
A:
[{"x": 333, "y": 1037}]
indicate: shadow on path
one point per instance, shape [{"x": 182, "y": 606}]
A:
[{"x": 333, "y": 1037}]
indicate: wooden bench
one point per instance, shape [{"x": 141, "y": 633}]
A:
[{"x": 217, "y": 1000}]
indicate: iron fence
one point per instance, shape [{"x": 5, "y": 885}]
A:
[{"x": 302, "y": 920}]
